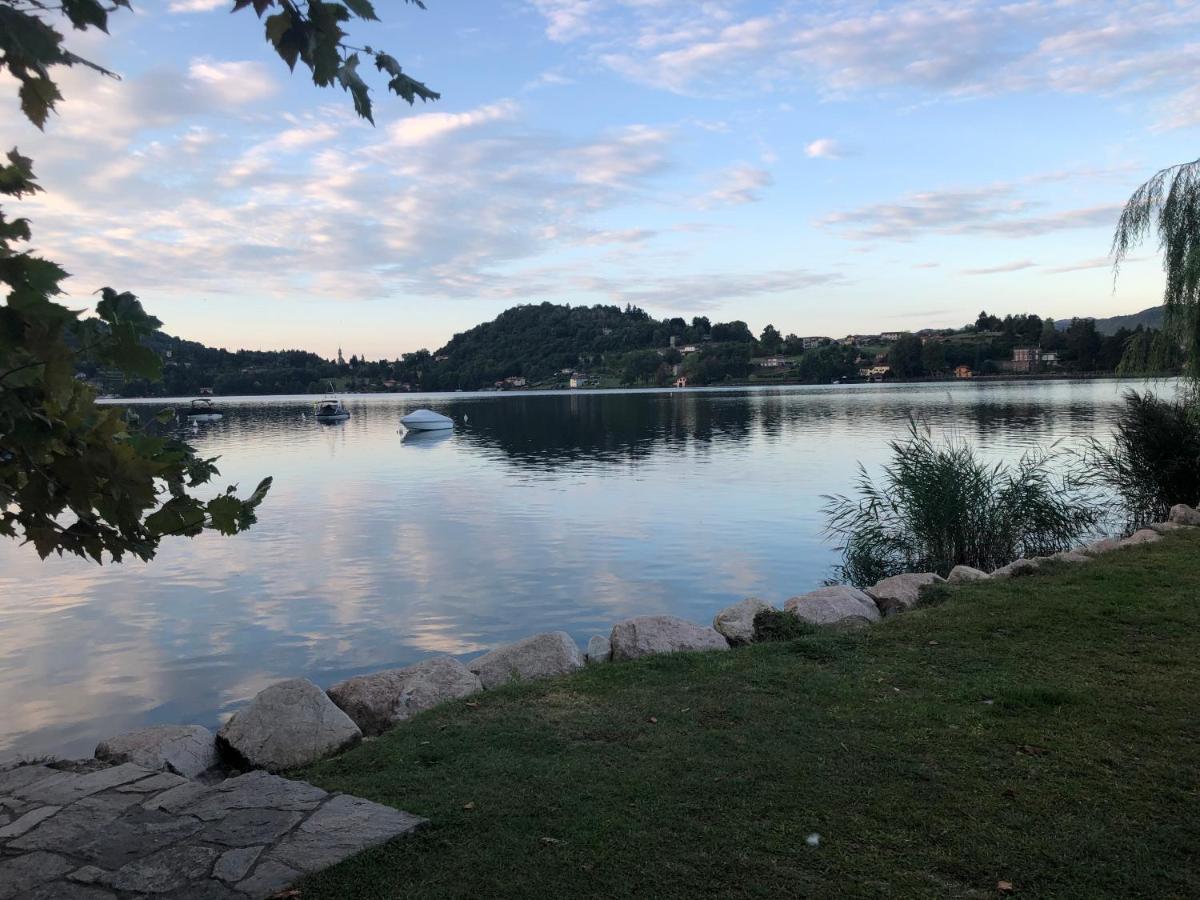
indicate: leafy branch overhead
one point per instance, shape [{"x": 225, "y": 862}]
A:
[
  {"x": 312, "y": 34},
  {"x": 87, "y": 479}
]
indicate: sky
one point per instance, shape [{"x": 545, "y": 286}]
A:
[{"x": 827, "y": 167}]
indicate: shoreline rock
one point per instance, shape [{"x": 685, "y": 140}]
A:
[
  {"x": 287, "y": 725},
  {"x": 599, "y": 650},
  {"x": 540, "y": 656},
  {"x": 187, "y": 750},
  {"x": 650, "y": 635},
  {"x": 736, "y": 621},
  {"x": 834, "y": 605},
  {"x": 379, "y": 700},
  {"x": 965, "y": 575},
  {"x": 900, "y": 593}
]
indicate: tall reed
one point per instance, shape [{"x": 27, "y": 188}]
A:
[
  {"x": 937, "y": 505},
  {"x": 1154, "y": 459}
]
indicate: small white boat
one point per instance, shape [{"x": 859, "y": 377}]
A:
[
  {"x": 201, "y": 410},
  {"x": 426, "y": 420},
  {"x": 331, "y": 409}
]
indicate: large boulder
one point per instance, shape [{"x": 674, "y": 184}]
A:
[
  {"x": 599, "y": 649},
  {"x": 736, "y": 622},
  {"x": 838, "y": 604},
  {"x": 378, "y": 701},
  {"x": 1068, "y": 556},
  {"x": 647, "y": 635},
  {"x": 1017, "y": 568},
  {"x": 540, "y": 656},
  {"x": 964, "y": 574},
  {"x": 1103, "y": 545},
  {"x": 1182, "y": 514},
  {"x": 900, "y": 593},
  {"x": 187, "y": 750},
  {"x": 290, "y": 724},
  {"x": 1142, "y": 536}
]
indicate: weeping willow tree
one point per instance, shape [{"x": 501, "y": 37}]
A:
[{"x": 1169, "y": 204}]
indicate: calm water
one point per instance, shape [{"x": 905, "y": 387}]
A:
[{"x": 539, "y": 512}]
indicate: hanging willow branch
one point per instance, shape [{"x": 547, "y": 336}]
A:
[{"x": 1169, "y": 203}]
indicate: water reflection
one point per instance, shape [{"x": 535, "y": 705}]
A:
[{"x": 378, "y": 548}]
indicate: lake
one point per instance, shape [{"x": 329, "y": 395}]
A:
[{"x": 539, "y": 512}]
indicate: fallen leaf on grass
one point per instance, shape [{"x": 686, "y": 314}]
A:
[
  {"x": 653, "y": 721},
  {"x": 472, "y": 704},
  {"x": 550, "y": 840},
  {"x": 1032, "y": 750},
  {"x": 470, "y": 804},
  {"x": 1004, "y": 887}
]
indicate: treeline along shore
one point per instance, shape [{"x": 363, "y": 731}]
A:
[{"x": 557, "y": 346}]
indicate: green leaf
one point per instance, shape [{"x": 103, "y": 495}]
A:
[
  {"x": 363, "y": 9},
  {"x": 86, "y": 13},
  {"x": 350, "y": 81},
  {"x": 38, "y": 96}
]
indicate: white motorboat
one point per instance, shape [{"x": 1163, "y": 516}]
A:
[
  {"x": 200, "y": 410},
  {"x": 331, "y": 409},
  {"x": 426, "y": 420}
]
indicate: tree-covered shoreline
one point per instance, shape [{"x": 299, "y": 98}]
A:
[{"x": 549, "y": 345}]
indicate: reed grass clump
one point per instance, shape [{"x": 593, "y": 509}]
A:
[
  {"x": 1153, "y": 461},
  {"x": 938, "y": 505}
]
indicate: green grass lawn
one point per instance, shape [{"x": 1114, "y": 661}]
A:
[{"x": 1043, "y": 731}]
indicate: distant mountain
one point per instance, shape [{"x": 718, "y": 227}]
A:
[{"x": 1147, "y": 318}]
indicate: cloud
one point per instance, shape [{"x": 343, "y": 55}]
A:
[
  {"x": 962, "y": 48},
  {"x": 825, "y": 148},
  {"x": 191, "y": 6},
  {"x": 425, "y": 128},
  {"x": 736, "y": 186},
  {"x": 707, "y": 290},
  {"x": 232, "y": 83},
  {"x": 1004, "y": 267},
  {"x": 1098, "y": 262},
  {"x": 998, "y": 209}
]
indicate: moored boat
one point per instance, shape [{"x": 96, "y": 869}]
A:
[
  {"x": 426, "y": 420},
  {"x": 331, "y": 409},
  {"x": 200, "y": 410}
]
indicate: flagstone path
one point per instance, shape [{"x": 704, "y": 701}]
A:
[{"x": 126, "y": 831}]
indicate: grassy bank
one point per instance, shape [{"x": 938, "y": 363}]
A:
[{"x": 1043, "y": 732}]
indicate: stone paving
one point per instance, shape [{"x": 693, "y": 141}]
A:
[{"x": 127, "y": 831}]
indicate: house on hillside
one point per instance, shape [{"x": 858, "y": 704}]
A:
[
  {"x": 516, "y": 381},
  {"x": 890, "y": 337},
  {"x": 681, "y": 381},
  {"x": 812, "y": 343},
  {"x": 963, "y": 372},
  {"x": 578, "y": 381},
  {"x": 772, "y": 362},
  {"x": 1049, "y": 359},
  {"x": 1026, "y": 360}
]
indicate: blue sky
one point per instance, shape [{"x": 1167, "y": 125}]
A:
[{"x": 827, "y": 167}]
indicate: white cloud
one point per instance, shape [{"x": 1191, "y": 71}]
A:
[
  {"x": 1002, "y": 268},
  {"x": 997, "y": 209},
  {"x": 420, "y": 129},
  {"x": 954, "y": 48},
  {"x": 737, "y": 185},
  {"x": 825, "y": 148},
  {"x": 232, "y": 82},
  {"x": 191, "y": 6}
]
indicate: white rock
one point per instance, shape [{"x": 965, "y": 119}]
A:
[
  {"x": 647, "y": 635},
  {"x": 379, "y": 700},
  {"x": 289, "y": 724},
  {"x": 599, "y": 649},
  {"x": 1017, "y": 568},
  {"x": 541, "y": 656},
  {"x": 1069, "y": 556},
  {"x": 186, "y": 750},
  {"x": 901, "y": 593},
  {"x": 1143, "y": 536},
  {"x": 1167, "y": 527},
  {"x": 964, "y": 574},
  {"x": 736, "y": 622},
  {"x": 1104, "y": 545},
  {"x": 831, "y": 605},
  {"x": 1182, "y": 514}
]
